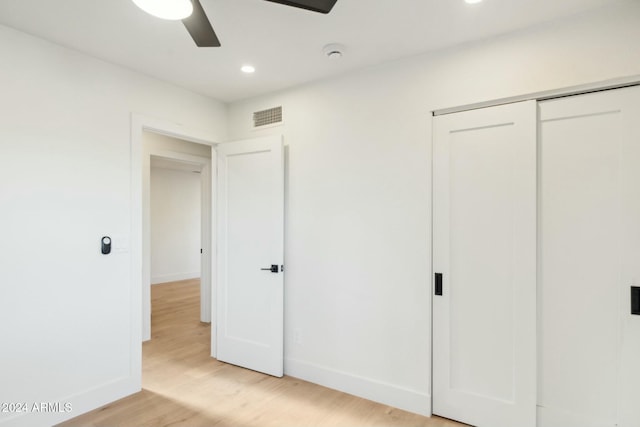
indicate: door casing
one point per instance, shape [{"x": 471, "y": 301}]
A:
[
  {"x": 140, "y": 270},
  {"x": 140, "y": 265}
]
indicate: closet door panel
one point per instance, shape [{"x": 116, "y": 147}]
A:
[
  {"x": 589, "y": 257},
  {"x": 484, "y": 247}
]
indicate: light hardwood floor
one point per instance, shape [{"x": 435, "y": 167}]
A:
[{"x": 184, "y": 386}]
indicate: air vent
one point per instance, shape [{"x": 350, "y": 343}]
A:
[{"x": 271, "y": 116}]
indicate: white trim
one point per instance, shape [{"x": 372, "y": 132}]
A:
[
  {"x": 172, "y": 129},
  {"x": 399, "y": 397},
  {"x": 213, "y": 235},
  {"x": 176, "y": 155},
  {"x": 206, "y": 230},
  {"x": 547, "y": 94},
  {"x": 135, "y": 239},
  {"x": 141, "y": 310}
]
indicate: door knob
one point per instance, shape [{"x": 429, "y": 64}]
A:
[{"x": 273, "y": 268}]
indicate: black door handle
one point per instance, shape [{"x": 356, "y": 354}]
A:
[{"x": 273, "y": 268}]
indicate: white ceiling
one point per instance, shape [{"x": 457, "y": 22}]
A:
[{"x": 284, "y": 43}]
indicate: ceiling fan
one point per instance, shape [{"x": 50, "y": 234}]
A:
[{"x": 195, "y": 19}]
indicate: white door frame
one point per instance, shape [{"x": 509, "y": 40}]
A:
[
  {"x": 204, "y": 163},
  {"x": 140, "y": 264}
]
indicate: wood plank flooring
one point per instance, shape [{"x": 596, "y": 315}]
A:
[{"x": 184, "y": 386}]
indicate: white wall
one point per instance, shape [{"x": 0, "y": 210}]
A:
[
  {"x": 358, "y": 209},
  {"x": 358, "y": 205},
  {"x": 65, "y": 309},
  {"x": 175, "y": 225}
]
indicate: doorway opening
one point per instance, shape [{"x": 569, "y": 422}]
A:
[
  {"x": 171, "y": 139},
  {"x": 178, "y": 215},
  {"x": 176, "y": 223},
  {"x": 175, "y": 211},
  {"x": 244, "y": 174}
]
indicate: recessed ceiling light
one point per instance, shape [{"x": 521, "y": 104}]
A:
[
  {"x": 248, "y": 69},
  {"x": 472, "y": 1},
  {"x": 166, "y": 9}
]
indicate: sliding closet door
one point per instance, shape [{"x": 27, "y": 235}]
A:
[
  {"x": 589, "y": 350},
  {"x": 484, "y": 307}
]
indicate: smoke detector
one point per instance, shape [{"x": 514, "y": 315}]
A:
[{"x": 333, "y": 51}]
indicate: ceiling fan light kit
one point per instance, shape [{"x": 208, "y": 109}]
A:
[
  {"x": 173, "y": 10},
  {"x": 195, "y": 19}
]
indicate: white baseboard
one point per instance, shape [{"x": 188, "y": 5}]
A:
[
  {"x": 155, "y": 280},
  {"x": 387, "y": 394},
  {"x": 80, "y": 403}
]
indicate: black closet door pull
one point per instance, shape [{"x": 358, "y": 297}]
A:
[
  {"x": 635, "y": 300},
  {"x": 438, "y": 283}
]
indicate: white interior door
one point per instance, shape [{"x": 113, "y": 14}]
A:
[
  {"x": 484, "y": 338},
  {"x": 590, "y": 257},
  {"x": 250, "y": 241}
]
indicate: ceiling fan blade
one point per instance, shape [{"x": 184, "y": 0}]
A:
[
  {"x": 200, "y": 28},
  {"x": 322, "y": 6}
]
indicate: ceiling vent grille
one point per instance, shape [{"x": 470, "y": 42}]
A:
[{"x": 272, "y": 116}]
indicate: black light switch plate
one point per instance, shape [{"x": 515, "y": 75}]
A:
[{"x": 635, "y": 300}]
